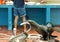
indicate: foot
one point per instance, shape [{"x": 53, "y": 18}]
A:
[{"x": 14, "y": 31}]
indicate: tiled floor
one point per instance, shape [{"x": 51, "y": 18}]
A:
[{"x": 5, "y": 34}]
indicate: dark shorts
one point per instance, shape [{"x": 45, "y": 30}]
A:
[{"x": 19, "y": 11}]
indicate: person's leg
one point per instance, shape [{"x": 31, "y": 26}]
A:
[
  {"x": 23, "y": 15},
  {"x": 15, "y": 25},
  {"x": 24, "y": 21},
  {"x": 15, "y": 21}
]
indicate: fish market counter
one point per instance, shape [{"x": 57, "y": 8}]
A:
[{"x": 40, "y": 13}]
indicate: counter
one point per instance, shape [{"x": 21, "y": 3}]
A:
[{"x": 41, "y": 13}]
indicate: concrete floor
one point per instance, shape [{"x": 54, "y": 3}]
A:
[{"x": 5, "y": 34}]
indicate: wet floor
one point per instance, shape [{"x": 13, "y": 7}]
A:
[{"x": 5, "y": 34}]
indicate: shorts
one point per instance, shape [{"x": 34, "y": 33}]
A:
[{"x": 19, "y": 12}]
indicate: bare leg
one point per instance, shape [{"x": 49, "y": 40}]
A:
[
  {"x": 15, "y": 25},
  {"x": 24, "y": 21},
  {"x": 16, "y": 21}
]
